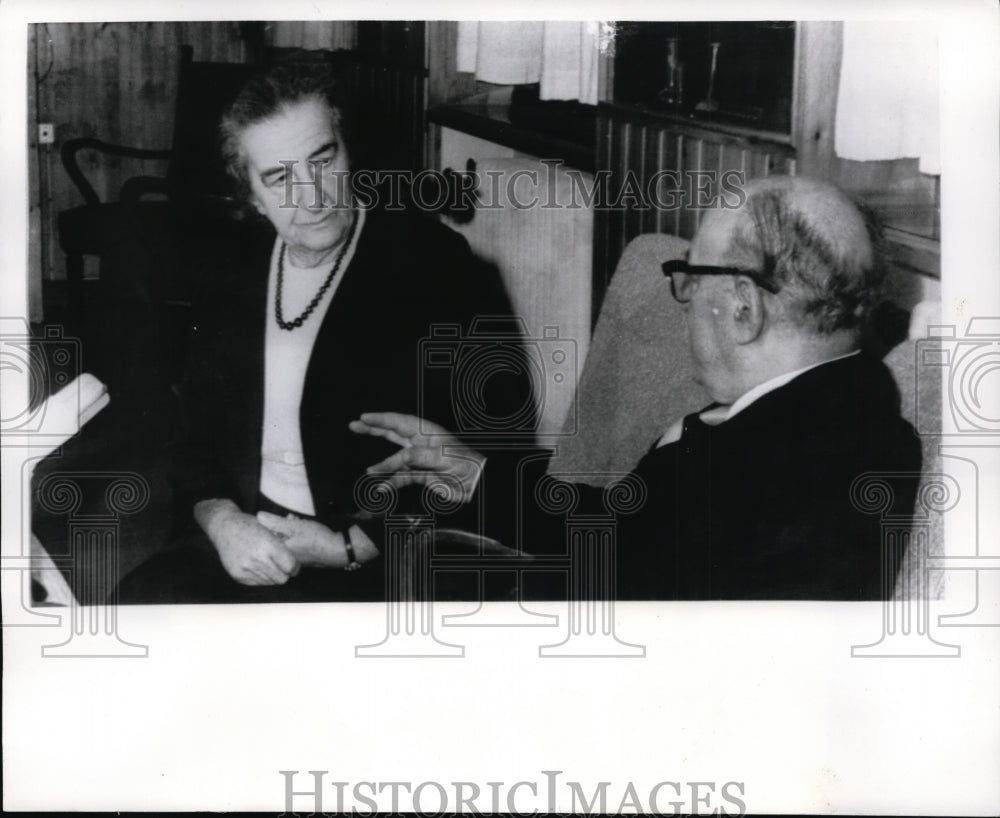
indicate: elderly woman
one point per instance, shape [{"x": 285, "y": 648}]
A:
[{"x": 315, "y": 315}]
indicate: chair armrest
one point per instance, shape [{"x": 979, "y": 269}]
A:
[{"x": 70, "y": 148}]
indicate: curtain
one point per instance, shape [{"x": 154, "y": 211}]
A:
[
  {"x": 887, "y": 107},
  {"x": 561, "y": 56}
]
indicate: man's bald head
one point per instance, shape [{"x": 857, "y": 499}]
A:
[
  {"x": 811, "y": 241},
  {"x": 811, "y": 274}
]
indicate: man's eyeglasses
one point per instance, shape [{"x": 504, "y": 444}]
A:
[{"x": 680, "y": 274}]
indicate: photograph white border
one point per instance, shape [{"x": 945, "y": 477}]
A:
[{"x": 766, "y": 694}]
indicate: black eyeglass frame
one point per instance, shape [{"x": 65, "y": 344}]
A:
[{"x": 680, "y": 265}]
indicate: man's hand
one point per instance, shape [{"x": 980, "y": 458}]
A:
[
  {"x": 429, "y": 451},
  {"x": 250, "y": 553},
  {"x": 314, "y": 544}
]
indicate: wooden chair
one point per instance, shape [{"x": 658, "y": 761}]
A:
[{"x": 195, "y": 182}]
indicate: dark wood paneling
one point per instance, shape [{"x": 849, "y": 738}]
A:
[
  {"x": 398, "y": 40},
  {"x": 390, "y": 96}
]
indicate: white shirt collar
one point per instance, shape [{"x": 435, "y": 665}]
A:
[
  {"x": 762, "y": 389},
  {"x": 674, "y": 432}
]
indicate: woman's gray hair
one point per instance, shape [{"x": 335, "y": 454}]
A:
[{"x": 267, "y": 93}]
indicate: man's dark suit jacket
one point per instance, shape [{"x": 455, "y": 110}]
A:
[
  {"x": 407, "y": 274},
  {"x": 759, "y": 507}
]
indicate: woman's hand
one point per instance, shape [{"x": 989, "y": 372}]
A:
[
  {"x": 313, "y": 544},
  {"x": 250, "y": 553},
  {"x": 428, "y": 452}
]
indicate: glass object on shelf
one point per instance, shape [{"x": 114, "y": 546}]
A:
[
  {"x": 673, "y": 93},
  {"x": 709, "y": 104},
  {"x": 752, "y": 83}
]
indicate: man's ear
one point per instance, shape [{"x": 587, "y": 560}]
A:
[{"x": 748, "y": 310}]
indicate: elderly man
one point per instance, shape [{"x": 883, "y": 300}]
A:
[
  {"x": 749, "y": 498},
  {"x": 316, "y": 314}
]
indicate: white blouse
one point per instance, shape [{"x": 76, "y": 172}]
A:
[{"x": 283, "y": 476}]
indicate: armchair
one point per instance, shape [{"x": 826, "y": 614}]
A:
[{"x": 630, "y": 389}]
